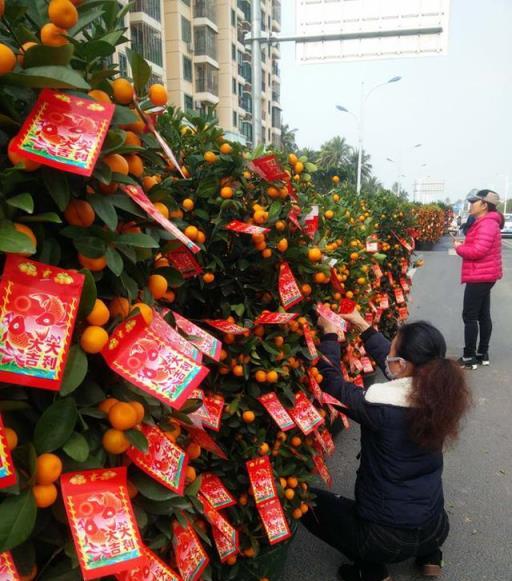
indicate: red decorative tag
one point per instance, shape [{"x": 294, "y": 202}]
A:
[
  {"x": 136, "y": 193},
  {"x": 295, "y": 211},
  {"x": 368, "y": 317},
  {"x": 106, "y": 536},
  {"x": 315, "y": 388},
  {"x": 335, "y": 283},
  {"x": 200, "y": 415},
  {"x": 378, "y": 315},
  {"x": 146, "y": 358},
  {"x": 38, "y": 311},
  {"x": 288, "y": 289},
  {"x": 230, "y": 544},
  {"x": 268, "y": 318},
  {"x": 367, "y": 365},
  {"x": 244, "y": 228},
  {"x": 191, "y": 557},
  {"x": 311, "y": 222},
  {"x": 321, "y": 468},
  {"x": 227, "y": 326},
  {"x": 333, "y": 318},
  {"x": 347, "y": 306},
  {"x": 215, "y": 492},
  {"x": 275, "y": 408},
  {"x": 308, "y": 336},
  {"x": 214, "y": 405},
  {"x": 377, "y": 271},
  {"x": 268, "y": 168},
  {"x": 399, "y": 295},
  {"x": 403, "y": 313},
  {"x": 205, "y": 342},
  {"x": 64, "y": 132},
  {"x": 8, "y": 570},
  {"x": 405, "y": 285},
  {"x": 154, "y": 569},
  {"x": 408, "y": 246},
  {"x": 384, "y": 301},
  {"x": 206, "y": 442},
  {"x": 274, "y": 521},
  {"x": 305, "y": 415},
  {"x": 291, "y": 190},
  {"x": 164, "y": 461},
  {"x": 262, "y": 479},
  {"x": 184, "y": 262},
  {"x": 7, "y": 470},
  {"x": 328, "y": 441},
  {"x": 224, "y": 545},
  {"x": 163, "y": 328},
  {"x": 372, "y": 244},
  {"x": 404, "y": 266},
  {"x": 358, "y": 380}
]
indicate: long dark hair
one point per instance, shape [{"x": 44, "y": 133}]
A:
[{"x": 440, "y": 396}]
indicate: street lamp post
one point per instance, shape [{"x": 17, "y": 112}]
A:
[
  {"x": 400, "y": 160},
  {"x": 360, "y": 122}
]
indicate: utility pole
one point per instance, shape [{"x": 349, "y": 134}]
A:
[{"x": 256, "y": 71}]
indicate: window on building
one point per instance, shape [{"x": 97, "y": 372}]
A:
[
  {"x": 123, "y": 65},
  {"x": 205, "y": 9},
  {"x": 269, "y": 80},
  {"x": 234, "y": 87},
  {"x": 207, "y": 79},
  {"x": 233, "y": 53},
  {"x": 187, "y": 69},
  {"x": 205, "y": 41},
  {"x": 235, "y": 119},
  {"x": 148, "y": 42},
  {"x": 263, "y": 55},
  {"x": 149, "y": 7},
  {"x": 268, "y": 106},
  {"x": 187, "y": 2},
  {"x": 188, "y": 103},
  {"x": 186, "y": 30},
  {"x": 233, "y": 17}
]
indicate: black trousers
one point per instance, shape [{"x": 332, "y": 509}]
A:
[
  {"x": 476, "y": 314},
  {"x": 370, "y": 546}
]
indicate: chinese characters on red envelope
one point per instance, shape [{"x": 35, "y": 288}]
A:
[
  {"x": 184, "y": 262},
  {"x": 64, "y": 131},
  {"x": 145, "y": 356},
  {"x": 100, "y": 515},
  {"x": 268, "y": 168},
  {"x": 191, "y": 557},
  {"x": 275, "y": 408},
  {"x": 289, "y": 291},
  {"x": 164, "y": 461},
  {"x": 215, "y": 492},
  {"x": 333, "y": 318},
  {"x": 227, "y": 326},
  {"x": 274, "y": 521},
  {"x": 38, "y": 310},
  {"x": 305, "y": 415},
  {"x": 268, "y": 318},
  {"x": 205, "y": 342},
  {"x": 154, "y": 569}
]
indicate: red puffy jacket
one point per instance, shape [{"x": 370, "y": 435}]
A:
[{"x": 481, "y": 251}]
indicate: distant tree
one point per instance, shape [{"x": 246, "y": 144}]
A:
[
  {"x": 334, "y": 154},
  {"x": 366, "y": 166},
  {"x": 372, "y": 185},
  {"x": 288, "y": 136}
]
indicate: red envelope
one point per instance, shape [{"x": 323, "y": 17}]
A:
[
  {"x": 220, "y": 523},
  {"x": 205, "y": 342},
  {"x": 399, "y": 295},
  {"x": 225, "y": 547},
  {"x": 367, "y": 365},
  {"x": 146, "y": 357},
  {"x": 136, "y": 193},
  {"x": 191, "y": 557},
  {"x": 293, "y": 217},
  {"x": 215, "y": 492},
  {"x": 405, "y": 285},
  {"x": 322, "y": 470},
  {"x": 214, "y": 404},
  {"x": 377, "y": 271},
  {"x": 347, "y": 306},
  {"x": 268, "y": 318},
  {"x": 274, "y": 521},
  {"x": 106, "y": 536},
  {"x": 315, "y": 388},
  {"x": 227, "y": 327},
  {"x": 8, "y": 570},
  {"x": 310, "y": 343},
  {"x": 384, "y": 301},
  {"x": 289, "y": 291},
  {"x": 268, "y": 168},
  {"x": 164, "y": 461},
  {"x": 335, "y": 283},
  {"x": 37, "y": 319},
  {"x": 262, "y": 479},
  {"x": 154, "y": 569},
  {"x": 244, "y": 228},
  {"x": 7, "y": 470},
  {"x": 64, "y": 131},
  {"x": 403, "y": 313},
  {"x": 162, "y": 327},
  {"x": 305, "y": 415},
  {"x": 275, "y": 408},
  {"x": 311, "y": 222},
  {"x": 206, "y": 442},
  {"x": 333, "y": 318},
  {"x": 184, "y": 262}
]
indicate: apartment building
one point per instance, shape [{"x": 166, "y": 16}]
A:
[{"x": 196, "y": 48}]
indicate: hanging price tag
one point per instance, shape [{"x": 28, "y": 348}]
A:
[
  {"x": 105, "y": 533},
  {"x": 372, "y": 244},
  {"x": 275, "y": 408},
  {"x": 377, "y": 271},
  {"x": 289, "y": 291}
]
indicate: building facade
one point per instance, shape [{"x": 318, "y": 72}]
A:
[{"x": 196, "y": 48}]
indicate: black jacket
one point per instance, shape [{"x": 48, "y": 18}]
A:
[{"x": 398, "y": 483}]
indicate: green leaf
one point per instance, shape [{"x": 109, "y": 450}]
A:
[
  {"x": 150, "y": 488},
  {"x": 137, "y": 240},
  {"x": 17, "y": 519},
  {"x": 86, "y": 18},
  {"x": 90, "y": 246},
  {"x": 40, "y": 56},
  {"x": 76, "y": 370},
  {"x": 123, "y": 116},
  {"x": 56, "y": 183},
  {"x": 77, "y": 447},
  {"x": 51, "y": 77},
  {"x": 193, "y": 489},
  {"x": 141, "y": 71},
  {"x": 23, "y": 202},
  {"x": 6, "y": 121},
  {"x": 114, "y": 261},
  {"x": 89, "y": 294},
  {"x": 46, "y": 217},
  {"x": 95, "y": 49},
  {"x": 137, "y": 439},
  {"x": 56, "y": 425},
  {"x": 105, "y": 210},
  {"x": 13, "y": 241},
  {"x": 123, "y": 202}
]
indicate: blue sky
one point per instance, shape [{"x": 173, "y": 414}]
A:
[{"x": 458, "y": 106}]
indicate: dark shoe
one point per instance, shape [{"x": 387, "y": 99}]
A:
[
  {"x": 431, "y": 565},
  {"x": 430, "y": 570},
  {"x": 483, "y": 359},
  {"x": 468, "y": 362},
  {"x": 352, "y": 573}
]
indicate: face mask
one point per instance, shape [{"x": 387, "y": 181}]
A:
[{"x": 389, "y": 373}]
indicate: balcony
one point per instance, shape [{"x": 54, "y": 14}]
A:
[
  {"x": 205, "y": 9},
  {"x": 276, "y": 118},
  {"x": 148, "y": 42},
  {"x": 245, "y": 71},
  {"x": 205, "y": 42},
  {"x": 276, "y": 95},
  {"x": 245, "y": 7},
  {"x": 149, "y": 7},
  {"x": 245, "y": 103},
  {"x": 207, "y": 79},
  {"x": 276, "y": 15}
]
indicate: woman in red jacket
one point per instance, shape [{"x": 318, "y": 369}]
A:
[{"x": 481, "y": 268}]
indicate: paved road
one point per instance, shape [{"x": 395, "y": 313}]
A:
[{"x": 478, "y": 470}]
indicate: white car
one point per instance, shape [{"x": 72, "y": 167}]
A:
[{"x": 507, "y": 228}]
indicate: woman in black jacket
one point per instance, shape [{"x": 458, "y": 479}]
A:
[{"x": 399, "y": 508}]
